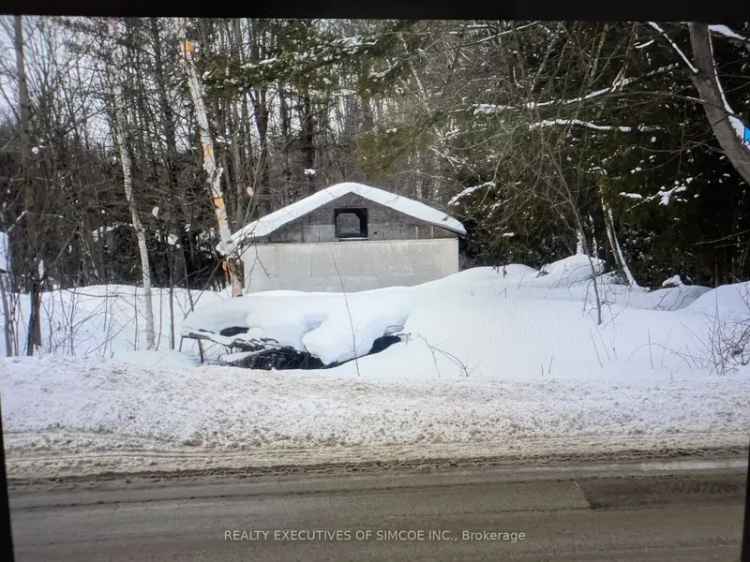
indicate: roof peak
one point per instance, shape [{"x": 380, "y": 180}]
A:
[{"x": 400, "y": 203}]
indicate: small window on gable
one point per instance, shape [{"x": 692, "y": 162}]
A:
[{"x": 350, "y": 223}]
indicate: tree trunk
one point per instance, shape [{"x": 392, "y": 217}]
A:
[
  {"x": 262, "y": 192},
  {"x": 34, "y": 338},
  {"x": 168, "y": 126},
  {"x": 164, "y": 106},
  {"x": 585, "y": 247},
  {"x": 579, "y": 242},
  {"x": 238, "y": 164},
  {"x": 609, "y": 226},
  {"x": 286, "y": 140},
  {"x": 34, "y": 334},
  {"x": 127, "y": 173},
  {"x": 308, "y": 141},
  {"x": 8, "y": 317},
  {"x": 121, "y": 128},
  {"x": 726, "y": 126},
  {"x": 6, "y": 289},
  {"x": 213, "y": 172},
  {"x": 23, "y": 90}
]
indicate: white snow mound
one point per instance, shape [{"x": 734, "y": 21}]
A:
[
  {"x": 728, "y": 300},
  {"x": 570, "y": 270},
  {"x": 337, "y": 327},
  {"x": 334, "y": 327}
]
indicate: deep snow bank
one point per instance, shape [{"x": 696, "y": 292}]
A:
[
  {"x": 107, "y": 321},
  {"x": 336, "y": 327},
  {"x": 88, "y": 403},
  {"x": 492, "y": 355}
]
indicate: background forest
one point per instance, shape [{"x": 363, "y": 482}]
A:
[{"x": 544, "y": 138}]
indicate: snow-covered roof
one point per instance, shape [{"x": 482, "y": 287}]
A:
[{"x": 273, "y": 221}]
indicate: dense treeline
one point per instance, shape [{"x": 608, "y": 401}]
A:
[{"x": 545, "y": 138}]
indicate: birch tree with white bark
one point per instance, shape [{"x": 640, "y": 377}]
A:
[
  {"x": 232, "y": 264},
  {"x": 122, "y": 129}
]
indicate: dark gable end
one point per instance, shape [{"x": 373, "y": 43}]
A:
[{"x": 383, "y": 223}]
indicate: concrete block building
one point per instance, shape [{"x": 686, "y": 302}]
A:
[{"x": 349, "y": 237}]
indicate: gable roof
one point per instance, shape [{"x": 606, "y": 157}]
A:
[{"x": 273, "y": 221}]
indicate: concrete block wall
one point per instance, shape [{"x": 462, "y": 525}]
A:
[{"x": 361, "y": 264}]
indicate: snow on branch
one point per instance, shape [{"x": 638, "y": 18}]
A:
[
  {"x": 663, "y": 33},
  {"x": 664, "y": 196},
  {"x": 727, "y": 32},
  {"x": 488, "y": 108},
  {"x": 588, "y": 125},
  {"x": 734, "y": 120},
  {"x": 468, "y": 191},
  {"x": 634, "y": 196}
]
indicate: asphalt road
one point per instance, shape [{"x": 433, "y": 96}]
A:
[{"x": 686, "y": 512}]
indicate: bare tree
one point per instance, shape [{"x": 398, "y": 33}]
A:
[
  {"x": 213, "y": 172},
  {"x": 35, "y": 269},
  {"x": 121, "y": 130}
]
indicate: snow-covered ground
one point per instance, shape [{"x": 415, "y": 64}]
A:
[{"x": 494, "y": 361}]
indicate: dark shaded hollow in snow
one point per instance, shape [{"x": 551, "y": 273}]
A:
[{"x": 286, "y": 357}]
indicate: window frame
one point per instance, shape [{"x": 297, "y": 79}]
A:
[{"x": 361, "y": 213}]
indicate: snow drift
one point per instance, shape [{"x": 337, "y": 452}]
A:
[
  {"x": 493, "y": 359},
  {"x": 106, "y": 321},
  {"x": 337, "y": 327}
]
